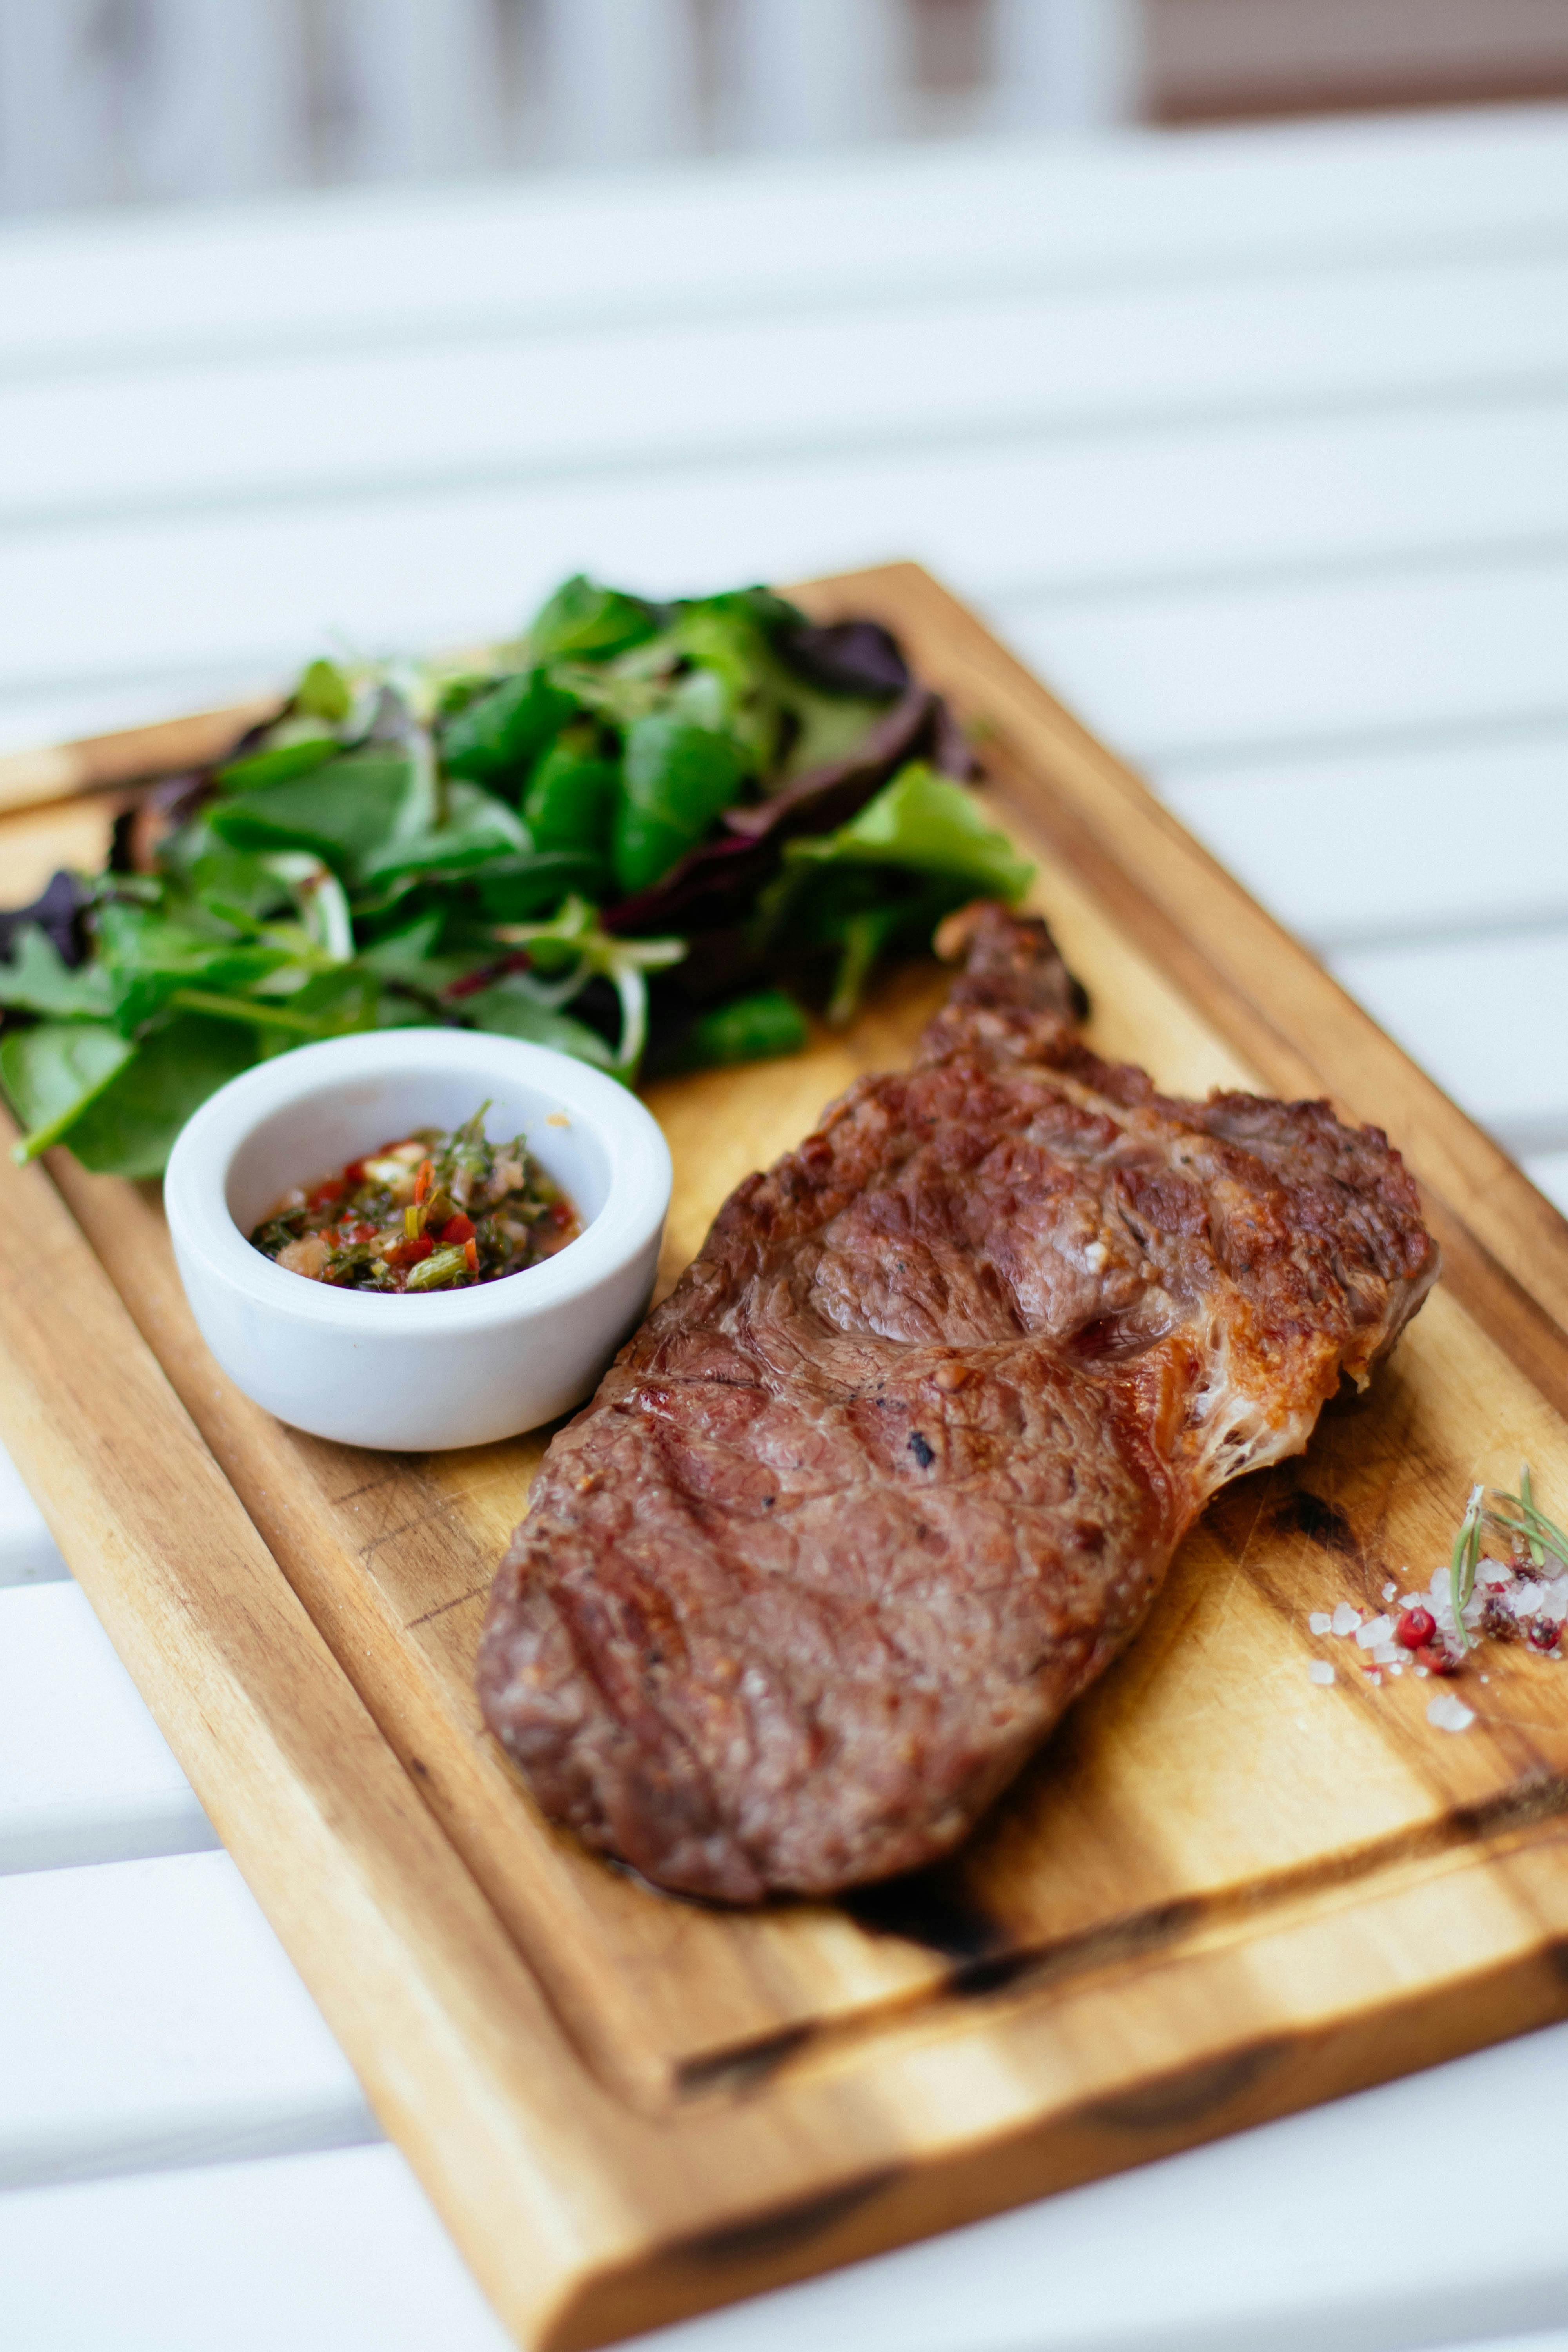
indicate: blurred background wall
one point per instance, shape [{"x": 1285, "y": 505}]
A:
[{"x": 102, "y": 100}]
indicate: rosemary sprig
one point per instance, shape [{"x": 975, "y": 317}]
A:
[
  {"x": 1540, "y": 1534},
  {"x": 1463, "y": 1561}
]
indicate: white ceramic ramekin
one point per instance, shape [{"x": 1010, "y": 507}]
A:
[{"x": 450, "y": 1367}]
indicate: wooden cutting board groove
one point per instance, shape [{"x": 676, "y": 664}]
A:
[{"x": 1222, "y": 1893}]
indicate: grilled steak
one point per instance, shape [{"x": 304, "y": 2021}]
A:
[{"x": 900, "y": 1465}]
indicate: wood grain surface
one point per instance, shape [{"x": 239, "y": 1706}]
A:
[{"x": 1224, "y": 1891}]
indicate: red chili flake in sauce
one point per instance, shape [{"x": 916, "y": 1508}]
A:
[{"x": 409, "y": 1252}]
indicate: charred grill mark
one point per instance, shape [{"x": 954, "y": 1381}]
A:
[
  {"x": 787, "y": 2226},
  {"x": 1192, "y": 2092}
]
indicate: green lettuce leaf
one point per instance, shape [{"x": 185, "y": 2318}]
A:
[
  {"x": 39, "y": 980},
  {"x": 497, "y": 736},
  {"x": 927, "y": 824},
  {"x": 129, "y": 1126},
  {"x": 478, "y": 828},
  {"x": 507, "y": 1009},
  {"x": 350, "y": 812},
  {"x": 584, "y": 622},
  {"x": 146, "y": 956},
  {"x": 53, "y": 1072},
  {"x": 677, "y": 778}
]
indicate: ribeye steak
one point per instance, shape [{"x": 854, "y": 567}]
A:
[{"x": 900, "y": 1465}]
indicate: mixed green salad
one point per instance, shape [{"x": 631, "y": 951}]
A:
[{"x": 648, "y": 834}]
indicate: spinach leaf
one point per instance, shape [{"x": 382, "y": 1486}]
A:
[
  {"x": 477, "y": 828},
  {"x": 571, "y": 798},
  {"x": 39, "y": 980},
  {"x": 586, "y": 623},
  {"x": 324, "y": 692},
  {"x": 349, "y": 812},
  {"x": 333, "y": 1004},
  {"x": 129, "y": 1126},
  {"x": 145, "y": 956},
  {"x": 516, "y": 889},
  {"x": 927, "y": 824},
  {"x": 511, "y": 1010},
  {"x": 676, "y": 781},
  {"x": 497, "y": 737},
  {"x": 52, "y": 1073},
  {"x": 259, "y": 770},
  {"x": 766, "y": 1023}
]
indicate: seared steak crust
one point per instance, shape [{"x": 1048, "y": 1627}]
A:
[{"x": 900, "y": 1465}]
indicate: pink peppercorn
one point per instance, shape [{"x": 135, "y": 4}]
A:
[{"x": 1415, "y": 1629}]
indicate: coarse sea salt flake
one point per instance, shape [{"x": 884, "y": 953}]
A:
[
  {"x": 1321, "y": 1622},
  {"x": 1449, "y": 1713},
  {"x": 1387, "y": 1654},
  {"x": 1375, "y": 1630},
  {"x": 1390, "y": 1588},
  {"x": 1346, "y": 1619},
  {"x": 1320, "y": 1670}
]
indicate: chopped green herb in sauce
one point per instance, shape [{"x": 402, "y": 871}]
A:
[{"x": 430, "y": 1212}]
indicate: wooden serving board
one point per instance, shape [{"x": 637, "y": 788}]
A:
[{"x": 1222, "y": 1893}]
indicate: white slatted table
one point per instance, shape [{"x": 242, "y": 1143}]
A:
[{"x": 1258, "y": 447}]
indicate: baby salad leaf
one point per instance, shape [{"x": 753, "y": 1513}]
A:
[
  {"x": 509, "y": 1010},
  {"x": 39, "y": 980},
  {"x": 571, "y": 798},
  {"x": 478, "y": 827},
  {"x": 52, "y": 1073},
  {"x": 349, "y": 812},
  {"x": 584, "y": 622},
  {"x": 515, "y": 889},
  {"x": 259, "y": 770},
  {"x": 928, "y": 824},
  {"x": 146, "y": 956},
  {"x": 749, "y": 1028},
  {"x": 128, "y": 1129},
  {"x": 497, "y": 737},
  {"x": 677, "y": 778},
  {"x": 324, "y": 692}
]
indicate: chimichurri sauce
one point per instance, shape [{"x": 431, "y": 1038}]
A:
[{"x": 430, "y": 1212}]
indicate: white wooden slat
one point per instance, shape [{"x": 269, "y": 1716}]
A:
[
  {"x": 85, "y": 1774},
  {"x": 1067, "y": 65},
  {"x": 1311, "y": 2233},
  {"x": 417, "y": 87},
  {"x": 813, "y": 75},
  {"x": 621, "y": 79},
  {"x": 1485, "y": 1017},
  {"x": 1030, "y": 530},
  {"x": 1193, "y": 673},
  {"x": 755, "y": 235},
  {"x": 333, "y": 2253},
  {"x": 28, "y": 1553},
  {"x": 176, "y": 98},
  {"x": 1371, "y": 844},
  {"x": 149, "y": 2017},
  {"x": 304, "y": 425}
]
